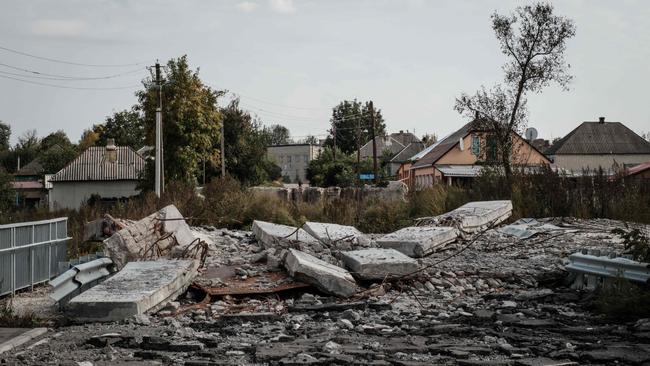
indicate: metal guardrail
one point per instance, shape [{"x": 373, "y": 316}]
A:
[
  {"x": 593, "y": 269},
  {"x": 30, "y": 253},
  {"x": 79, "y": 278}
]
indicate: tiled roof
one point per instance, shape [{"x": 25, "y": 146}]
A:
[
  {"x": 407, "y": 152},
  {"x": 94, "y": 165},
  {"x": 600, "y": 138}
]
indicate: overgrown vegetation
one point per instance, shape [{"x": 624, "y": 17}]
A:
[
  {"x": 636, "y": 243},
  {"x": 10, "y": 319},
  {"x": 623, "y": 301}
]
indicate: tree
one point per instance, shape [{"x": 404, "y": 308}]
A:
[
  {"x": 191, "y": 121},
  {"x": 310, "y": 139},
  {"x": 88, "y": 138},
  {"x": 27, "y": 148},
  {"x": 55, "y": 138},
  {"x": 126, "y": 127},
  {"x": 5, "y": 135},
  {"x": 56, "y": 151},
  {"x": 325, "y": 171},
  {"x": 277, "y": 135},
  {"x": 352, "y": 121},
  {"x": 6, "y": 191},
  {"x": 429, "y": 139},
  {"x": 245, "y": 145},
  {"x": 534, "y": 41}
]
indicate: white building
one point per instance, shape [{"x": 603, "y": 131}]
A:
[
  {"x": 294, "y": 159},
  {"x": 110, "y": 172}
]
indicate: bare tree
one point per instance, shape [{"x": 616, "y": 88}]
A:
[{"x": 534, "y": 41}]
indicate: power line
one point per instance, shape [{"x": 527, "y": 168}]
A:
[
  {"x": 67, "y": 62},
  {"x": 70, "y": 87},
  {"x": 46, "y": 76},
  {"x": 277, "y": 104}
]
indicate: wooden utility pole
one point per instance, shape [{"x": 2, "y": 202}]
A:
[
  {"x": 358, "y": 153},
  {"x": 223, "y": 152},
  {"x": 374, "y": 142},
  {"x": 159, "y": 155}
]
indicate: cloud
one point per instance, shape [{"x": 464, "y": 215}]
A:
[
  {"x": 58, "y": 27},
  {"x": 283, "y": 6},
  {"x": 246, "y": 6}
]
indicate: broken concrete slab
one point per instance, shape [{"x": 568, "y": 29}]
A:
[
  {"x": 473, "y": 216},
  {"x": 334, "y": 233},
  {"x": 152, "y": 237},
  {"x": 271, "y": 235},
  {"x": 138, "y": 288},
  {"x": 418, "y": 241},
  {"x": 326, "y": 277},
  {"x": 376, "y": 264}
]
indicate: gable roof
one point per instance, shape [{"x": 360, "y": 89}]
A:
[
  {"x": 638, "y": 168},
  {"x": 404, "y": 138},
  {"x": 437, "y": 150},
  {"x": 383, "y": 143},
  {"x": 93, "y": 165},
  {"x": 406, "y": 153},
  {"x": 600, "y": 138}
]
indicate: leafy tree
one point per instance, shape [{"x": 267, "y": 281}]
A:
[
  {"x": 313, "y": 140},
  {"x": 55, "y": 138},
  {"x": 88, "y": 138},
  {"x": 27, "y": 148},
  {"x": 429, "y": 139},
  {"x": 6, "y": 191},
  {"x": 277, "y": 135},
  {"x": 346, "y": 117},
  {"x": 191, "y": 121},
  {"x": 245, "y": 145},
  {"x": 5, "y": 135},
  {"x": 325, "y": 171},
  {"x": 126, "y": 127},
  {"x": 56, "y": 151},
  {"x": 534, "y": 41}
]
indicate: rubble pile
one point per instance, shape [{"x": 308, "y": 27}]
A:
[{"x": 290, "y": 296}]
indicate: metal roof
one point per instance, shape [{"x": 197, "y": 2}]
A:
[
  {"x": 94, "y": 165},
  {"x": 600, "y": 138},
  {"x": 459, "y": 170},
  {"x": 442, "y": 147}
]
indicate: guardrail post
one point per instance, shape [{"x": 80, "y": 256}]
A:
[{"x": 13, "y": 260}]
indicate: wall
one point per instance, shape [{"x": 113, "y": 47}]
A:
[
  {"x": 524, "y": 154},
  {"x": 294, "y": 159},
  {"x": 577, "y": 163},
  {"x": 72, "y": 194}
]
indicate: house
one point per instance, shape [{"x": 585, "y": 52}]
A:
[
  {"x": 110, "y": 172},
  {"x": 293, "y": 159},
  {"x": 592, "y": 145},
  {"x": 460, "y": 157},
  {"x": 30, "y": 182},
  {"x": 641, "y": 171},
  {"x": 399, "y": 146}
]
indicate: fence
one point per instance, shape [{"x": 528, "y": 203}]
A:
[{"x": 30, "y": 253}]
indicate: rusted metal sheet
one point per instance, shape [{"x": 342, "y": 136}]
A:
[{"x": 265, "y": 283}]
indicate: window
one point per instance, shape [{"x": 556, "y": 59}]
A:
[
  {"x": 491, "y": 148},
  {"x": 476, "y": 145}
]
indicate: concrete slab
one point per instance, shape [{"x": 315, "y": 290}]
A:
[
  {"x": 334, "y": 233},
  {"x": 138, "y": 288},
  {"x": 270, "y": 234},
  {"x": 136, "y": 240},
  {"x": 326, "y": 277},
  {"x": 418, "y": 241},
  {"x": 475, "y": 216},
  {"x": 11, "y": 338},
  {"x": 376, "y": 264}
]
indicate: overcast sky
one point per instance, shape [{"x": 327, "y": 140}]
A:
[{"x": 292, "y": 61}]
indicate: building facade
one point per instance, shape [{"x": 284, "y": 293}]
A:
[
  {"x": 293, "y": 159},
  {"x": 593, "y": 145},
  {"x": 107, "y": 173}
]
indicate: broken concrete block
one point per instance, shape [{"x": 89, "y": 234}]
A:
[
  {"x": 152, "y": 237},
  {"x": 271, "y": 235},
  {"x": 333, "y": 233},
  {"x": 475, "y": 216},
  {"x": 138, "y": 288},
  {"x": 418, "y": 241},
  {"x": 376, "y": 264},
  {"x": 326, "y": 277}
]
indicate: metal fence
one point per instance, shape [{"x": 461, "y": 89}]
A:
[{"x": 30, "y": 252}]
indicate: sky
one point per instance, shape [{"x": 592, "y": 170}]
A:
[{"x": 291, "y": 61}]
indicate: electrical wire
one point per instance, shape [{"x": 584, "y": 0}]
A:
[
  {"x": 46, "y": 76},
  {"x": 68, "y": 62},
  {"x": 70, "y": 87}
]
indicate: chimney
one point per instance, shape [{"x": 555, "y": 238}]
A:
[
  {"x": 111, "y": 151},
  {"x": 601, "y": 119},
  {"x": 401, "y": 131}
]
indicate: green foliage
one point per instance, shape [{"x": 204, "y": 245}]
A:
[
  {"x": 245, "y": 148},
  {"x": 384, "y": 217},
  {"x": 276, "y": 135},
  {"x": 6, "y": 191},
  {"x": 346, "y": 116},
  {"x": 325, "y": 171},
  {"x": 636, "y": 243},
  {"x": 126, "y": 127},
  {"x": 623, "y": 301},
  {"x": 56, "y": 159},
  {"x": 55, "y": 138},
  {"x": 5, "y": 135},
  {"x": 191, "y": 120}
]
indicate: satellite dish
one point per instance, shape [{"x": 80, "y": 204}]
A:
[
  {"x": 531, "y": 133},
  {"x": 461, "y": 144}
]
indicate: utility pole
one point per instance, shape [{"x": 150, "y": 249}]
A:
[
  {"x": 358, "y": 153},
  {"x": 159, "y": 156},
  {"x": 223, "y": 152},
  {"x": 374, "y": 142}
]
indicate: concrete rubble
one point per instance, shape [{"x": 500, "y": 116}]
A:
[
  {"x": 418, "y": 241},
  {"x": 138, "y": 288},
  {"x": 341, "y": 236},
  {"x": 495, "y": 299},
  {"x": 473, "y": 216},
  {"x": 377, "y": 264}
]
